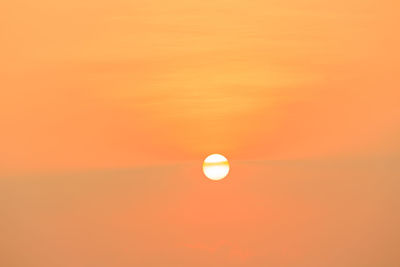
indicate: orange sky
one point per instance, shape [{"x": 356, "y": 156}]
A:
[
  {"x": 87, "y": 84},
  {"x": 108, "y": 108}
]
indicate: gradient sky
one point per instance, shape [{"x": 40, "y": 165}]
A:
[
  {"x": 107, "y": 109},
  {"x": 124, "y": 83}
]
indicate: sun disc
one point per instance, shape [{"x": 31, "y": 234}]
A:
[{"x": 216, "y": 167}]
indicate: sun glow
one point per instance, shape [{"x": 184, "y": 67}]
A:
[{"x": 216, "y": 167}]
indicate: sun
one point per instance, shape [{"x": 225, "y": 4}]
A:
[{"x": 216, "y": 167}]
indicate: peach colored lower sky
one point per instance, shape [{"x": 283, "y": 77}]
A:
[
  {"x": 99, "y": 84},
  {"x": 289, "y": 214}
]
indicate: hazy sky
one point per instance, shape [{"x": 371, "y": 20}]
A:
[
  {"x": 89, "y": 84},
  {"x": 108, "y": 108},
  {"x": 292, "y": 214}
]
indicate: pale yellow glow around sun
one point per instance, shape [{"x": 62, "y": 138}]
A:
[{"x": 216, "y": 167}]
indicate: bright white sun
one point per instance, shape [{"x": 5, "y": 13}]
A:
[{"x": 216, "y": 167}]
